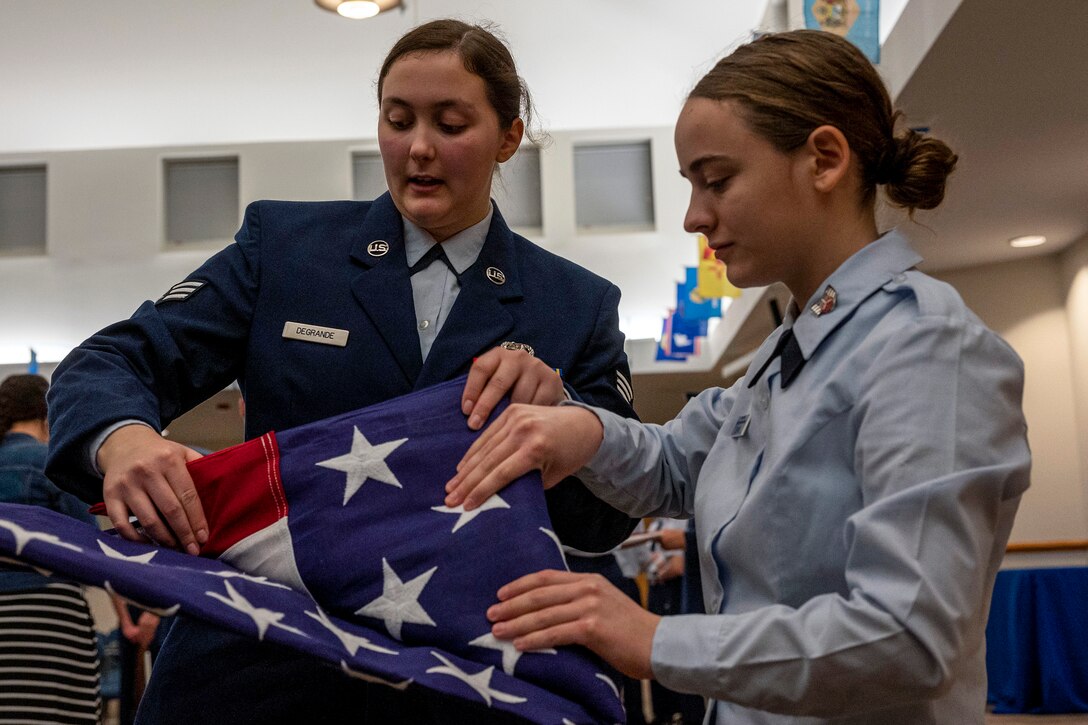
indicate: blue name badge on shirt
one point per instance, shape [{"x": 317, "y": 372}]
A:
[{"x": 740, "y": 428}]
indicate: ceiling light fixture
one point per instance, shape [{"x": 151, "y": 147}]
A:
[
  {"x": 358, "y": 9},
  {"x": 1030, "y": 240}
]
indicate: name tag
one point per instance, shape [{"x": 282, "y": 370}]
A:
[{"x": 313, "y": 333}]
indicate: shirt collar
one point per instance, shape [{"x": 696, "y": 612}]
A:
[
  {"x": 462, "y": 248},
  {"x": 867, "y": 270}
]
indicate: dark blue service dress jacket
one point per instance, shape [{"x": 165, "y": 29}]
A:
[{"x": 337, "y": 265}]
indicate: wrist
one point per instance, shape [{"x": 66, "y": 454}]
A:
[{"x": 115, "y": 439}]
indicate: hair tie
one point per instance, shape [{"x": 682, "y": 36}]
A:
[{"x": 891, "y": 167}]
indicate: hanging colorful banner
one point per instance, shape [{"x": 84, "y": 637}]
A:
[
  {"x": 856, "y": 20},
  {"x": 686, "y": 334},
  {"x": 690, "y": 305},
  {"x": 679, "y": 337},
  {"x": 711, "y": 279}
]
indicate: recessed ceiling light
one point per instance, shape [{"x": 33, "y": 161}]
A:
[
  {"x": 1030, "y": 240},
  {"x": 358, "y": 9}
]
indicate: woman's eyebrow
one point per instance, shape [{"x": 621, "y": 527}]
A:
[
  {"x": 697, "y": 165},
  {"x": 438, "y": 106}
]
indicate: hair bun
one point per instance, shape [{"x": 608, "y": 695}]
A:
[{"x": 914, "y": 169}]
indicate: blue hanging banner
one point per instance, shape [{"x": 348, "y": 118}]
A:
[
  {"x": 664, "y": 343},
  {"x": 32, "y": 366},
  {"x": 686, "y": 334},
  {"x": 690, "y": 305},
  {"x": 679, "y": 337},
  {"x": 856, "y": 20}
]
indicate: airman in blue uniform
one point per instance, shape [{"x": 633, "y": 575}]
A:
[{"x": 321, "y": 308}]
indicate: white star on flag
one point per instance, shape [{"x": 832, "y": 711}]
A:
[
  {"x": 481, "y": 681},
  {"x": 351, "y": 642},
  {"x": 115, "y": 554},
  {"x": 263, "y": 618},
  {"x": 371, "y": 678},
  {"x": 510, "y": 653},
  {"x": 363, "y": 462},
  {"x": 608, "y": 681},
  {"x": 495, "y": 502},
  {"x": 248, "y": 577},
  {"x": 399, "y": 602},
  {"x": 558, "y": 544},
  {"x": 24, "y": 537}
]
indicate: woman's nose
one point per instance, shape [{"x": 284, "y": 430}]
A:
[
  {"x": 697, "y": 220},
  {"x": 422, "y": 147}
]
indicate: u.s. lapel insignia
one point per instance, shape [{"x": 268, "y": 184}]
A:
[
  {"x": 826, "y": 303},
  {"x": 377, "y": 248},
  {"x": 495, "y": 275}
]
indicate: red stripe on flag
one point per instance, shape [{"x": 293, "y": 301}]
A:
[{"x": 241, "y": 491}]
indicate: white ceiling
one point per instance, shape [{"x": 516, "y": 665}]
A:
[
  {"x": 1006, "y": 85},
  {"x": 116, "y": 73}
]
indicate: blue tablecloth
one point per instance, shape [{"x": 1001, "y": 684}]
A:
[{"x": 1037, "y": 641}]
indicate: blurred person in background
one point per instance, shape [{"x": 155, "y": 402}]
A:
[{"x": 49, "y": 668}]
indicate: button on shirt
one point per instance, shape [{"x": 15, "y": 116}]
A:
[
  {"x": 435, "y": 287},
  {"x": 849, "y": 533}
]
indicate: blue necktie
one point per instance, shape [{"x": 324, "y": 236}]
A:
[
  {"x": 435, "y": 252},
  {"x": 792, "y": 359}
]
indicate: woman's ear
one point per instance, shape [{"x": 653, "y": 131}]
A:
[
  {"x": 830, "y": 155},
  {"x": 511, "y": 139}
]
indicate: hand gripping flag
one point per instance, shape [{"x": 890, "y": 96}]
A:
[{"x": 332, "y": 538}]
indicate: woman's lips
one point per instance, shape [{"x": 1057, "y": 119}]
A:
[
  {"x": 721, "y": 250},
  {"x": 424, "y": 182}
]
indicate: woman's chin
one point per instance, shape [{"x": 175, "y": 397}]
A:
[
  {"x": 742, "y": 280},
  {"x": 424, "y": 213}
]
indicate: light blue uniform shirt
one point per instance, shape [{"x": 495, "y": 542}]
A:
[
  {"x": 435, "y": 288},
  {"x": 850, "y": 527}
]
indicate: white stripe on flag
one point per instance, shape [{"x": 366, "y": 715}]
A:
[{"x": 268, "y": 552}]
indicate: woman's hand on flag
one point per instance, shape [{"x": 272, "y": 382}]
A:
[
  {"x": 144, "y": 475},
  {"x": 514, "y": 371},
  {"x": 553, "y": 608},
  {"x": 557, "y": 441}
]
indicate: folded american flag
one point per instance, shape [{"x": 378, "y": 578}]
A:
[{"x": 332, "y": 538}]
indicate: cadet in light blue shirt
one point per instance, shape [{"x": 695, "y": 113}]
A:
[{"x": 854, "y": 492}]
